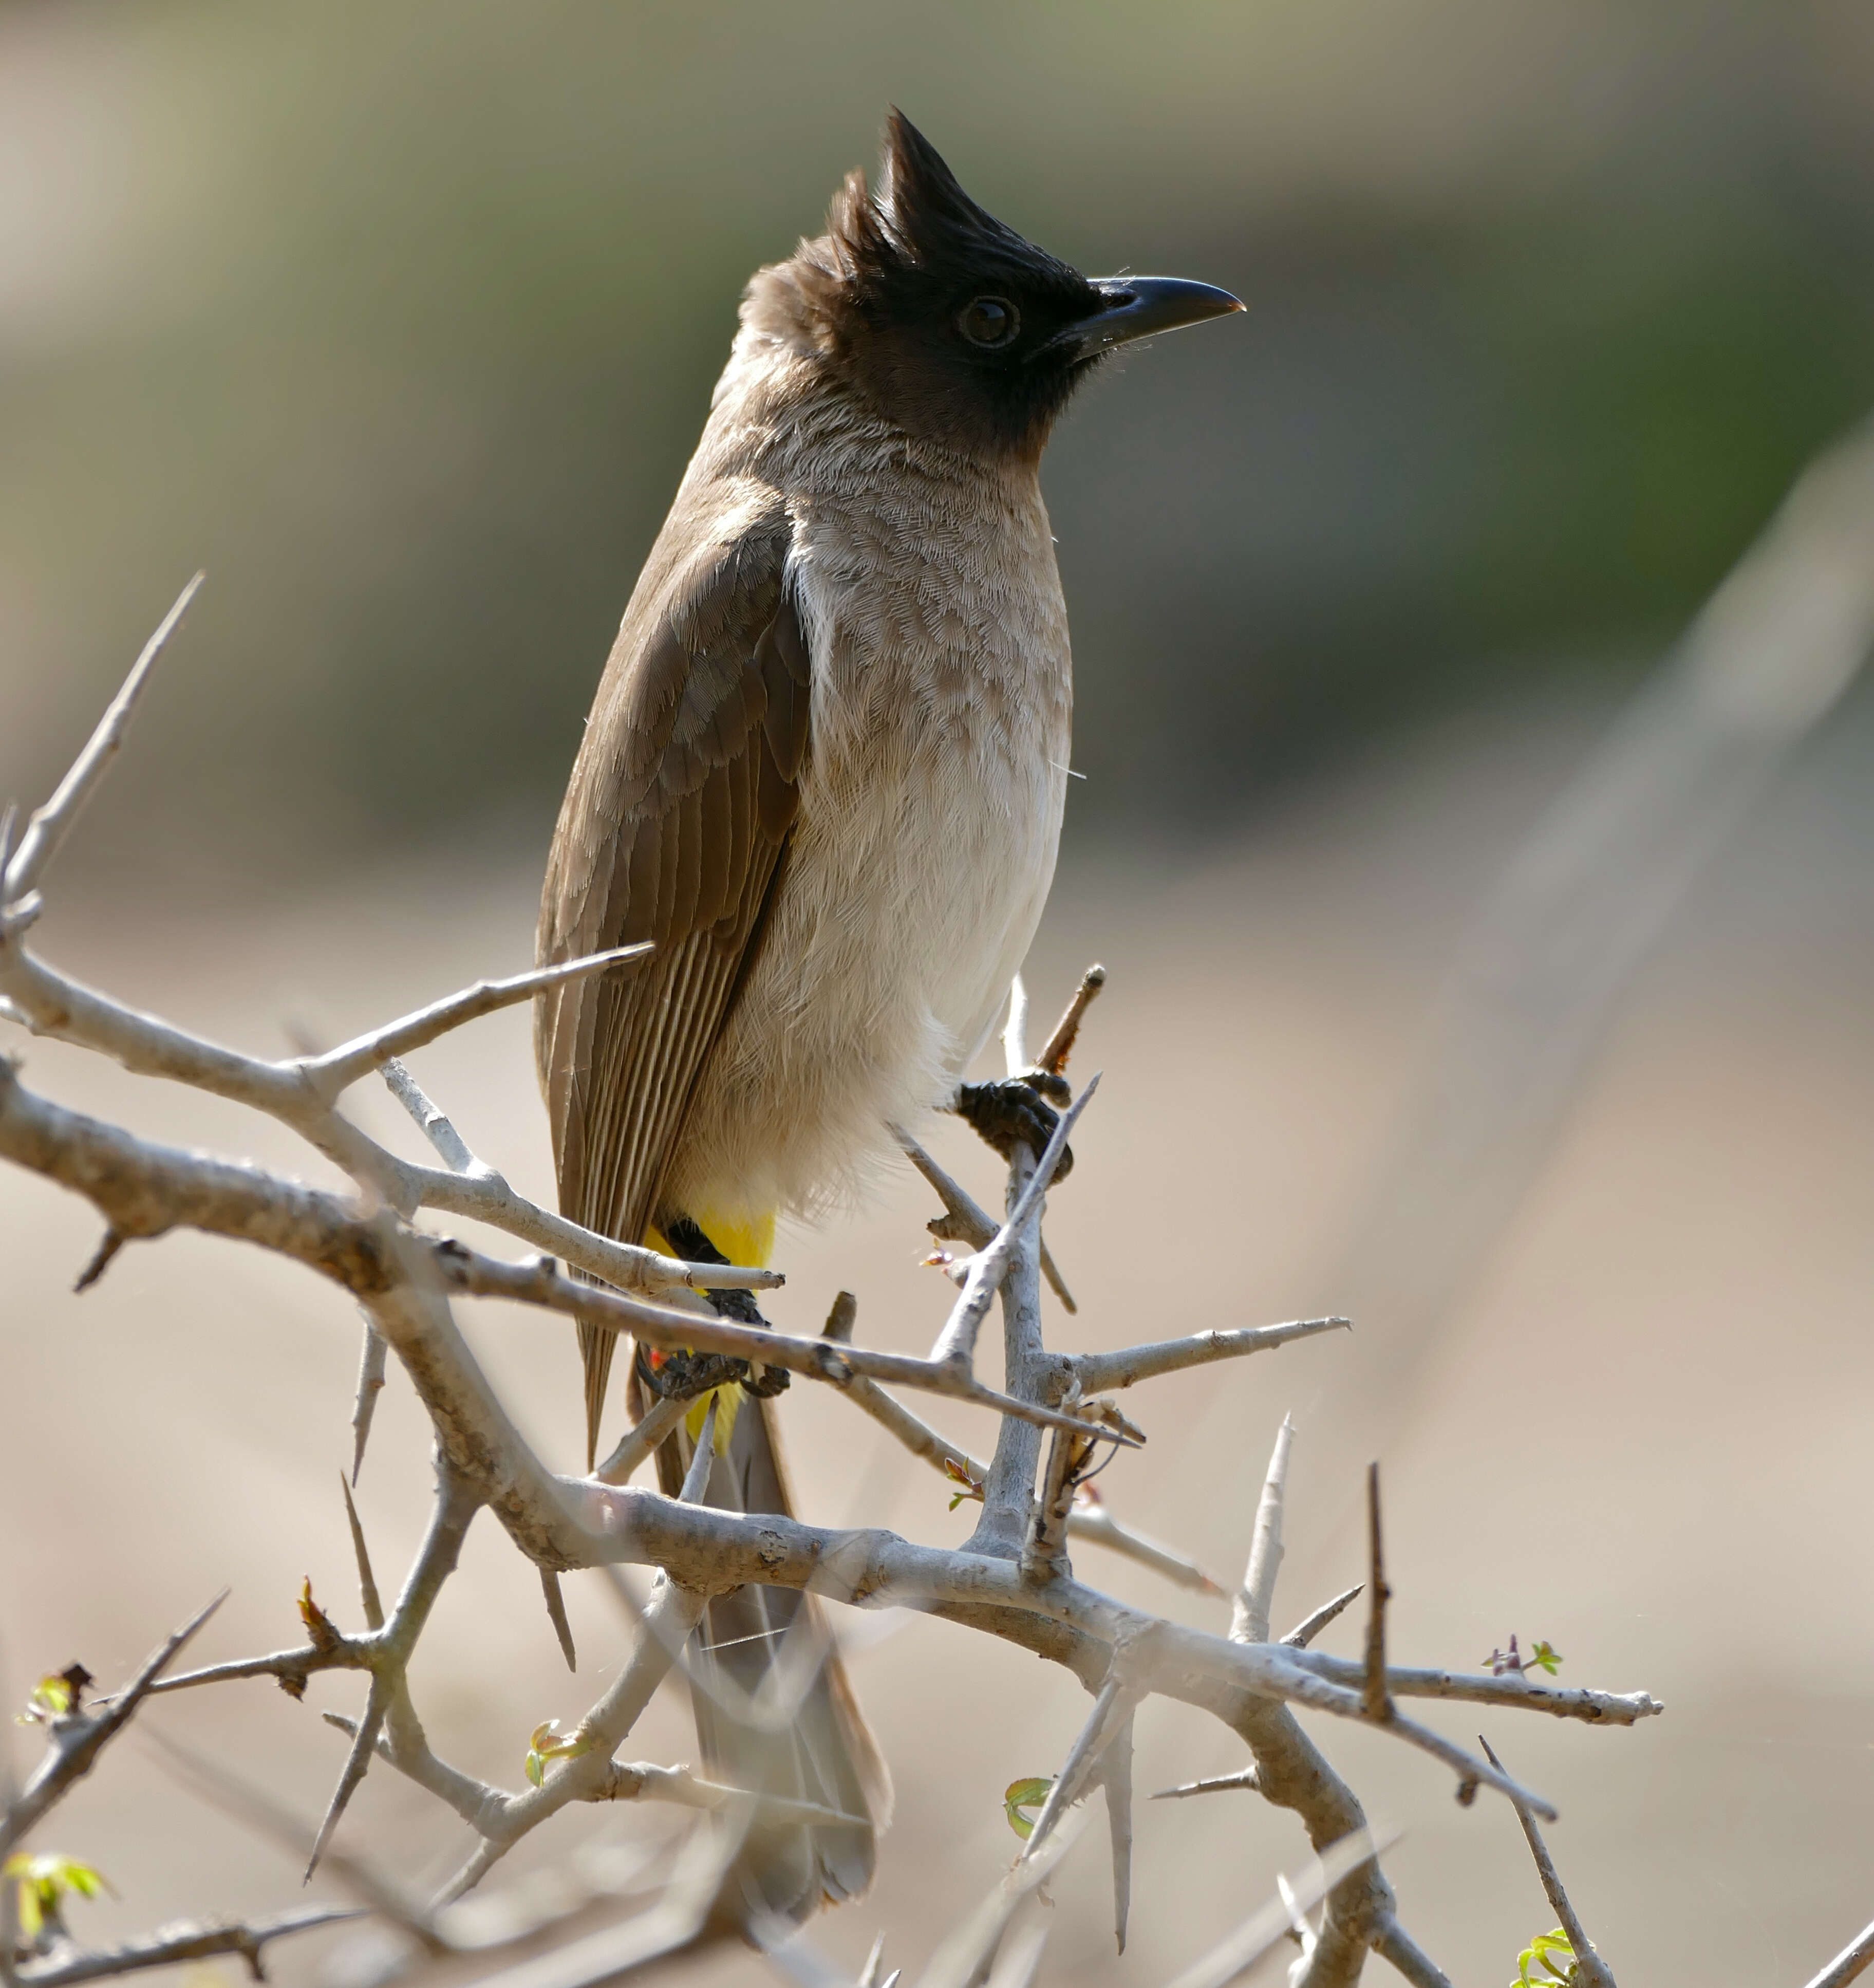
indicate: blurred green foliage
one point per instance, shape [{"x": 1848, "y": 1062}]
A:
[{"x": 402, "y": 318}]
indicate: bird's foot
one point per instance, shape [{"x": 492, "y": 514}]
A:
[
  {"x": 1009, "y": 1111},
  {"x": 681, "y": 1375},
  {"x": 764, "y": 1382},
  {"x": 684, "y": 1374},
  {"x": 699, "y": 1372}
]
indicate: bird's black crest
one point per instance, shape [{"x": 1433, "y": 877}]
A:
[
  {"x": 882, "y": 290},
  {"x": 930, "y": 218},
  {"x": 921, "y": 236}
]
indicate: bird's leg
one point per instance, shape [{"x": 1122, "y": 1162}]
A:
[
  {"x": 684, "y": 1374},
  {"x": 1008, "y": 1111}
]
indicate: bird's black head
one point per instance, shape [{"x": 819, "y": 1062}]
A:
[{"x": 950, "y": 324}]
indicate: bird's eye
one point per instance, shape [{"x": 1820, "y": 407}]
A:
[{"x": 989, "y": 321}]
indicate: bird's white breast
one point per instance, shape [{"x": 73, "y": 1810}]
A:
[{"x": 930, "y": 811}]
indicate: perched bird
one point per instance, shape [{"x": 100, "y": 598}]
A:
[{"x": 824, "y": 773}]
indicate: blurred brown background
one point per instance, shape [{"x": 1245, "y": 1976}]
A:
[{"x": 401, "y": 320}]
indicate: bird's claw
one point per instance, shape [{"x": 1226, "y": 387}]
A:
[
  {"x": 683, "y": 1375},
  {"x": 764, "y": 1382},
  {"x": 1009, "y": 1111}
]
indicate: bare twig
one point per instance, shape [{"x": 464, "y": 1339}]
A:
[
  {"x": 963, "y": 1220},
  {"x": 1099, "y": 1371},
  {"x": 556, "y": 1614},
  {"x": 1288, "y": 1769},
  {"x": 1044, "y": 1549},
  {"x": 968, "y": 1948},
  {"x": 457, "y": 1502},
  {"x": 1263, "y": 1929},
  {"x": 1060, "y": 1044},
  {"x": 51, "y": 823},
  {"x": 336, "y": 1070},
  {"x": 1113, "y": 1708},
  {"x": 370, "y": 1385},
  {"x": 431, "y": 1121},
  {"x": 1594, "y": 1708},
  {"x": 1090, "y": 1518},
  {"x": 673, "y": 1923},
  {"x": 1375, "y": 1701},
  {"x": 256, "y": 1806},
  {"x": 355, "y": 1762},
  {"x": 981, "y": 1275},
  {"x": 1056, "y": 1283},
  {"x": 76, "y": 1739},
  {"x": 1590, "y": 1970},
  {"x": 300, "y": 1092},
  {"x": 1017, "y": 1958},
  {"x": 101, "y": 1258},
  {"x": 1115, "y": 1774},
  {"x": 367, "y": 1582},
  {"x": 696, "y": 1479},
  {"x": 1305, "y": 1631},
  {"x": 1850, "y": 1964},
  {"x": 191, "y": 1939},
  {"x": 540, "y": 1282},
  {"x": 639, "y": 1441},
  {"x": 1246, "y": 1778},
  {"x": 1249, "y": 1620},
  {"x": 1085, "y": 1519},
  {"x": 1392, "y": 1942},
  {"x": 587, "y": 1773}
]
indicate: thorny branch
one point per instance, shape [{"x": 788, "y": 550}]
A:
[
  {"x": 193, "y": 1939},
  {"x": 1850, "y": 1964},
  {"x": 1013, "y": 1579},
  {"x": 1590, "y": 1970},
  {"x": 76, "y": 1738}
]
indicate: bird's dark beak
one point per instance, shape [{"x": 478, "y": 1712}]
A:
[{"x": 1135, "y": 307}]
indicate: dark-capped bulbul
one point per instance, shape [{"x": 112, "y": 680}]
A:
[{"x": 823, "y": 773}]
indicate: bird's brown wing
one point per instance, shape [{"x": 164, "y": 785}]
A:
[{"x": 675, "y": 829}]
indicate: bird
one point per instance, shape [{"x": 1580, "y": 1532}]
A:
[{"x": 823, "y": 774}]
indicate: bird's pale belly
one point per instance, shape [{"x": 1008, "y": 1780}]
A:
[{"x": 880, "y": 974}]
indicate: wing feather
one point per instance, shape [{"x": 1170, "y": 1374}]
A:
[{"x": 675, "y": 821}]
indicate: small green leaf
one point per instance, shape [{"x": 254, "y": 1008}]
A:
[
  {"x": 83, "y": 1879},
  {"x": 1547, "y": 1657},
  {"x": 547, "y": 1742},
  {"x": 1020, "y": 1795},
  {"x": 55, "y": 1696},
  {"x": 1543, "y": 1952},
  {"x": 42, "y": 1880}
]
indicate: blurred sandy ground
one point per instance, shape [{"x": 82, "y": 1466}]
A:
[{"x": 1641, "y": 1434}]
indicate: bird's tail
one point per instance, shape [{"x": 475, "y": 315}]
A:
[{"x": 775, "y": 1712}]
